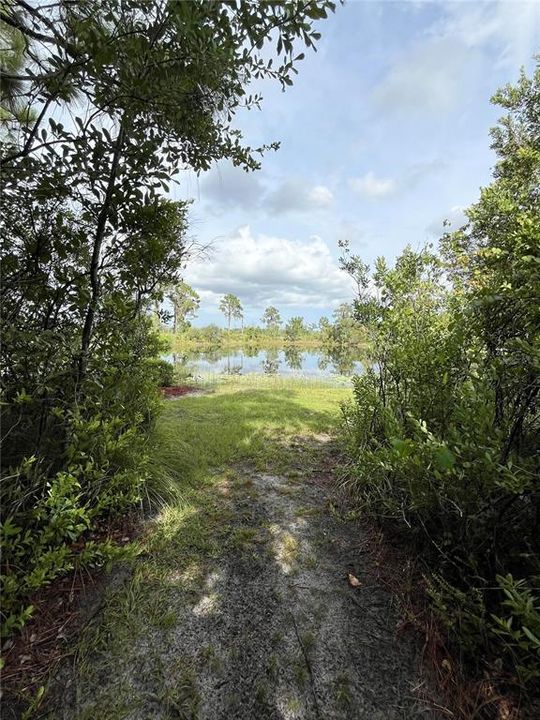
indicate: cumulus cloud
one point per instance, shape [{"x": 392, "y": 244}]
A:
[
  {"x": 321, "y": 196},
  {"x": 371, "y": 186},
  {"x": 226, "y": 186},
  {"x": 296, "y": 196},
  {"x": 264, "y": 270}
]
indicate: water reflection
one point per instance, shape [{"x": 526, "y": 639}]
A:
[
  {"x": 290, "y": 361},
  {"x": 293, "y": 358},
  {"x": 271, "y": 363}
]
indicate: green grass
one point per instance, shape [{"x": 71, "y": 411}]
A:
[
  {"x": 249, "y": 418},
  {"x": 202, "y": 444}
]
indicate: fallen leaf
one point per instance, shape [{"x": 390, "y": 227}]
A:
[{"x": 354, "y": 582}]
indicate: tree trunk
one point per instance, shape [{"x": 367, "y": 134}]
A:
[{"x": 82, "y": 359}]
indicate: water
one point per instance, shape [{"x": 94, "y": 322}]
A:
[{"x": 290, "y": 362}]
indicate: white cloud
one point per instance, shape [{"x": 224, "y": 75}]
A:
[
  {"x": 226, "y": 186},
  {"x": 513, "y": 27},
  {"x": 372, "y": 186},
  {"x": 264, "y": 269},
  {"x": 297, "y": 196},
  {"x": 428, "y": 78},
  {"x": 321, "y": 196},
  {"x": 442, "y": 68}
]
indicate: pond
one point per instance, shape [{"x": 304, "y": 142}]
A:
[{"x": 291, "y": 362}]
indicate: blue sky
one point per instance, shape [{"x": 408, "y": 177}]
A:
[{"x": 384, "y": 135}]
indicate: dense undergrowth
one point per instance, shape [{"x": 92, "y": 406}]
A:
[{"x": 444, "y": 429}]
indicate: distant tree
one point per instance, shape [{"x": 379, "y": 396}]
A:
[
  {"x": 325, "y": 329},
  {"x": 324, "y": 324},
  {"x": 252, "y": 336},
  {"x": 346, "y": 329},
  {"x": 343, "y": 313},
  {"x": 239, "y": 315},
  {"x": 295, "y": 328},
  {"x": 271, "y": 318},
  {"x": 185, "y": 302},
  {"x": 231, "y": 307}
]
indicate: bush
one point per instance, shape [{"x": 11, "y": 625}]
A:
[
  {"x": 444, "y": 427},
  {"x": 88, "y": 463},
  {"x": 163, "y": 371}
]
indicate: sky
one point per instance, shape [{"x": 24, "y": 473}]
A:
[{"x": 384, "y": 135}]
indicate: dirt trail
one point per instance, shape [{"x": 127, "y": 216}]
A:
[{"x": 274, "y": 630}]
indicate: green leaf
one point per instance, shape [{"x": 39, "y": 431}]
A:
[{"x": 444, "y": 458}]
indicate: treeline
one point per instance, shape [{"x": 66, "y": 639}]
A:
[
  {"x": 444, "y": 430},
  {"x": 102, "y": 103},
  {"x": 342, "y": 332}
]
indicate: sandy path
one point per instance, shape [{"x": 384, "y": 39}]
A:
[{"x": 274, "y": 631}]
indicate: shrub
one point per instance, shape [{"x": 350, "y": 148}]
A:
[
  {"x": 164, "y": 372},
  {"x": 444, "y": 427}
]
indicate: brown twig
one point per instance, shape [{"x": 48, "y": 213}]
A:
[{"x": 308, "y": 665}]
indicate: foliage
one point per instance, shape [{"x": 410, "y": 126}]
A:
[
  {"x": 295, "y": 328},
  {"x": 344, "y": 333},
  {"x": 445, "y": 425},
  {"x": 115, "y": 97},
  {"x": 271, "y": 318},
  {"x": 185, "y": 302},
  {"x": 12, "y": 113},
  {"x": 163, "y": 371},
  {"x": 231, "y": 307}
]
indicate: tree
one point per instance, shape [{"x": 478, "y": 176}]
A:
[
  {"x": 239, "y": 315},
  {"x": 159, "y": 83},
  {"x": 231, "y": 307},
  {"x": 346, "y": 330},
  {"x": 123, "y": 94},
  {"x": 495, "y": 259},
  {"x": 295, "y": 328},
  {"x": 185, "y": 302},
  {"x": 271, "y": 318},
  {"x": 13, "y": 114},
  {"x": 365, "y": 303},
  {"x": 343, "y": 313}
]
